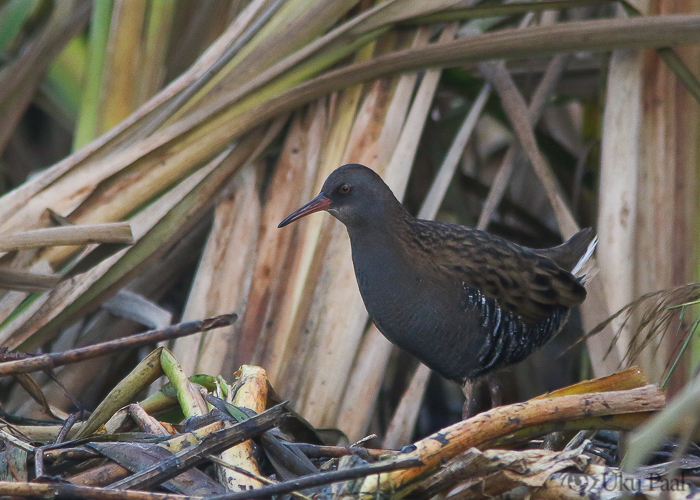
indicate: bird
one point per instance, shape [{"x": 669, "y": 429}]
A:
[{"x": 463, "y": 301}]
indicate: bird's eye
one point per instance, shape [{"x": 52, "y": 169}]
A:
[{"x": 344, "y": 189}]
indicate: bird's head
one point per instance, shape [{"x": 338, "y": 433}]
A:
[{"x": 353, "y": 194}]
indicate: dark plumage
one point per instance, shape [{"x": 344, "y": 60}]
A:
[{"x": 463, "y": 301}]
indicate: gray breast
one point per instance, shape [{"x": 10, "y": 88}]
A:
[{"x": 461, "y": 338}]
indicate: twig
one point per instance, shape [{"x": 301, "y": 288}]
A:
[
  {"x": 14, "y": 441},
  {"x": 257, "y": 477},
  {"x": 67, "y": 490},
  {"x": 66, "y": 427},
  {"x": 319, "y": 480},
  {"x": 316, "y": 451},
  {"x": 48, "y": 361}
]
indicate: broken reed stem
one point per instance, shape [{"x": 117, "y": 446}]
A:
[
  {"x": 48, "y": 361},
  {"x": 23, "y": 281},
  {"x": 451, "y": 441},
  {"x": 250, "y": 393},
  {"x": 214, "y": 443},
  {"x": 112, "y": 232}
]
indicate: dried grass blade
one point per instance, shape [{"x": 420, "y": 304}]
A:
[
  {"x": 230, "y": 251},
  {"x": 172, "y": 214},
  {"x": 404, "y": 419},
  {"x": 20, "y": 78},
  {"x": 35, "y": 392},
  {"x": 619, "y": 169},
  {"x": 122, "y": 64},
  {"x": 127, "y": 304},
  {"x": 365, "y": 382},
  {"x": 442, "y": 180},
  {"x": 260, "y": 336}
]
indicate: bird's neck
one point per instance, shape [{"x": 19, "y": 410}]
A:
[
  {"x": 379, "y": 251},
  {"x": 384, "y": 269},
  {"x": 385, "y": 230}
]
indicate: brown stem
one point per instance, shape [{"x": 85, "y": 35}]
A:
[{"x": 48, "y": 361}]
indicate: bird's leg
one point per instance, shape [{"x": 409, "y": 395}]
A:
[
  {"x": 495, "y": 390},
  {"x": 469, "y": 408},
  {"x": 469, "y": 389}
]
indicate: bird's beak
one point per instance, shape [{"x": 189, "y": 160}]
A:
[{"x": 316, "y": 205}]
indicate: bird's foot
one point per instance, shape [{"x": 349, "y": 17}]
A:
[{"x": 469, "y": 388}]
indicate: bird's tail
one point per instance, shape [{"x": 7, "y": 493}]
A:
[{"x": 585, "y": 268}]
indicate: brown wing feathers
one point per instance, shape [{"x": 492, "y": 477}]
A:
[{"x": 520, "y": 280}]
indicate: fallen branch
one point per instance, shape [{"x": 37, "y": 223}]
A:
[{"x": 453, "y": 440}]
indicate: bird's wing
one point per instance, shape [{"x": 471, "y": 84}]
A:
[{"x": 529, "y": 285}]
